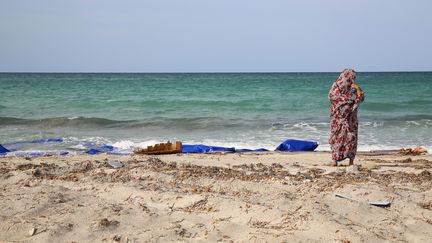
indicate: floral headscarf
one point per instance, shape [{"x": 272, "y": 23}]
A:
[
  {"x": 345, "y": 80},
  {"x": 343, "y": 116}
]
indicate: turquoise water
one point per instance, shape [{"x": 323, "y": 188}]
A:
[{"x": 246, "y": 110}]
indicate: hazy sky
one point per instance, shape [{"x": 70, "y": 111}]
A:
[{"x": 215, "y": 35}]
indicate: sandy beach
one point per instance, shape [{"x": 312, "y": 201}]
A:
[
  {"x": 248, "y": 197},
  {"x": 215, "y": 121}
]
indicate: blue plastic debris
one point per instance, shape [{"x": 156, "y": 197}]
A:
[
  {"x": 107, "y": 147},
  {"x": 378, "y": 204},
  {"x": 3, "y": 150},
  {"x": 290, "y": 145},
  {"x": 94, "y": 151},
  {"x": 101, "y": 149},
  {"x": 200, "y": 148},
  {"x": 293, "y": 145},
  {"x": 251, "y": 150}
]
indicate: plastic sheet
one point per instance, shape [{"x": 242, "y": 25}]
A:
[
  {"x": 200, "y": 148},
  {"x": 101, "y": 149},
  {"x": 292, "y": 145},
  {"x": 3, "y": 150},
  {"x": 251, "y": 150}
]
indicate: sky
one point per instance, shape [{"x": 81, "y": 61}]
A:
[{"x": 215, "y": 35}]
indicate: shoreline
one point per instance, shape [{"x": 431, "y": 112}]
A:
[
  {"x": 228, "y": 197},
  {"x": 61, "y": 153}
]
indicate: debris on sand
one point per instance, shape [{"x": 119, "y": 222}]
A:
[
  {"x": 115, "y": 164},
  {"x": 32, "y": 231},
  {"x": 212, "y": 197},
  {"x": 182, "y": 232},
  {"x": 200, "y": 206},
  {"x": 107, "y": 224},
  {"x": 117, "y": 238},
  {"x": 426, "y": 205},
  {"x": 413, "y": 151},
  {"x": 161, "y": 148},
  {"x": 353, "y": 169}
]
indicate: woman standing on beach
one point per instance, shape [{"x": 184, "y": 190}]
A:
[{"x": 345, "y": 97}]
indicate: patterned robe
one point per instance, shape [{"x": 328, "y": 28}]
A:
[{"x": 343, "y": 117}]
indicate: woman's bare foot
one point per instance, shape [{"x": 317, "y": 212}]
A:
[{"x": 333, "y": 164}]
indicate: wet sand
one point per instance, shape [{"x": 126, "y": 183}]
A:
[{"x": 249, "y": 197}]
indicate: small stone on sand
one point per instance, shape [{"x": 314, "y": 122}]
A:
[{"x": 32, "y": 231}]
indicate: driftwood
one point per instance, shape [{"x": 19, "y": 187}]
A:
[{"x": 161, "y": 148}]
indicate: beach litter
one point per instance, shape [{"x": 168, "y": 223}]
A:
[
  {"x": 293, "y": 145},
  {"x": 290, "y": 145},
  {"x": 3, "y": 150},
  {"x": 353, "y": 169},
  {"x": 161, "y": 148},
  {"x": 115, "y": 164},
  {"x": 378, "y": 204},
  {"x": 413, "y": 151},
  {"x": 18, "y": 149}
]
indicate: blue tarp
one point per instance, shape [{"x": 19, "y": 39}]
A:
[
  {"x": 93, "y": 151},
  {"x": 3, "y": 150},
  {"x": 292, "y": 145},
  {"x": 252, "y": 150},
  {"x": 200, "y": 148},
  {"x": 101, "y": 149}
]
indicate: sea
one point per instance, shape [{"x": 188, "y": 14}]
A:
[{"x": 241, "y": 110}]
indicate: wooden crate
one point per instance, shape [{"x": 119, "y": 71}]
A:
[{"x": 161, "y": 148}]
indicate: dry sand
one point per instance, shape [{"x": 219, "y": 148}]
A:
[{"x": 273, "y": 197}]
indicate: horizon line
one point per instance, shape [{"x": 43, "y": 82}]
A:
[{"x": 239, "y": 72}]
